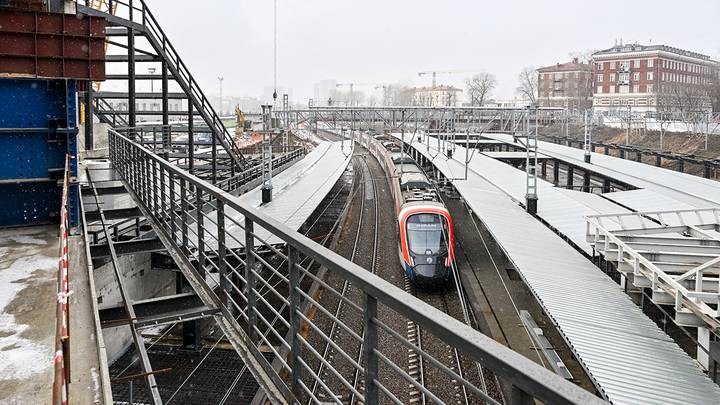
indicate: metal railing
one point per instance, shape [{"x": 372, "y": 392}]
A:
[
  {"x": 642, "y": 244},
  {"x": 135, "y": 14},
  {"x": 281, "y": 304},
  {"x": 61, "y": 377}
]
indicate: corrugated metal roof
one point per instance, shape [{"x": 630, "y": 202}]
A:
[
  {"x": 297, "y": 192},
  {"x": 694, "y": 190},
  {"x": 630, "y": 359}
]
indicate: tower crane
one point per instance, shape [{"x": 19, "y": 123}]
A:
[{"x": 434, "y": 74}]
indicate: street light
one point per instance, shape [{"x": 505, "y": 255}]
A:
[
  {"x": 220, "y": 79},
  {"x": 152, "y": 71}
]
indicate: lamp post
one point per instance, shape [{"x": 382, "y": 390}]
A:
[
  {"x": 152, "y": 71},
  {"x": 220, "y": 80}
]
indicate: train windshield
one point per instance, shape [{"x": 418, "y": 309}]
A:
[{"x": 427, "y": 234}]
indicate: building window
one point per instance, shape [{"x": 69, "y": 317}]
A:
[
  {"x": 599, "y": 90},
  {"x": 650, "y": 62},
  {"x": 637, "y": 63},
  {"x": 624, "y": 78},
  {"x": 650, "y": 88},
  {"x": 636, "y": 88},
  {"x": 612, "y": 89},
  {"x": 636, "y": 76},
  {"x": 600, "y": 66},
  {"x": 612, "y": 65},
  {"x": 600, "y": 78},
  {"x": 625, "y": 66},
  {"x": 650, "y": 76},
  {"x": 612, "y": 77}
]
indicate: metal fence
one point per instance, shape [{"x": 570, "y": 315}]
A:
[
  {"x": 276, "y": 307},
  {"x": 62, "y": 317}
]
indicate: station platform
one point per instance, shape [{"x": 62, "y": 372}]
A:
[
  {"x": 629, "y": 359},
  {"x": 297, "y": 192},
  {"x": 695, "y": 191}
]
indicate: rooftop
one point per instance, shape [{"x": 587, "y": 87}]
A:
[
  {"x": 620, "y": 48},
  {"x": 573, "y": 66}
]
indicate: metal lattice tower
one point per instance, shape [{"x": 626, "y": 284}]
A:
[
  {"x": 531, "y": 164},
  {"x": 286, "y": 118},
  {"x": 267, "y": 154}
]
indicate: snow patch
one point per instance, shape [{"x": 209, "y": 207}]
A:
[
  {"x": 19, "y": 357},
  {"x": 27, "y": 240}
]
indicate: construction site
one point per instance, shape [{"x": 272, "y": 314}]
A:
[{"x": 155, "y": 251}]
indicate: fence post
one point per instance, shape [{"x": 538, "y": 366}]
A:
[
  {"x": 200, "y": 230},
  {"x": 369, "y": 346},
  {"x": 250, "y": 278},
  {"x": 183, "y": 213},
  {"x": 222, "y": 263},
  {"x": 294, "y": 298}
]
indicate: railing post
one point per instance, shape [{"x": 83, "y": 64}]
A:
[
  {"x": 250, "y": 279},
  {"x": 183, "y": 213},
  {"x": 294, "y": 298},
  {"x": 200, "y": 230},
  {"x": 369, "y": 345},
  {"x": 173, "y": 206},
  {"x": 222, "y": 264}
]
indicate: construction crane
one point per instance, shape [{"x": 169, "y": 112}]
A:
[
  {"x": 352, "y": 87},
  {"x": 434, "y": 74}
]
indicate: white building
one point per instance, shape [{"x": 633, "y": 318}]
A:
[{"x": 437, "y": 96}]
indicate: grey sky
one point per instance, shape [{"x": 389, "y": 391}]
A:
[{"x": 391, "y": 40}]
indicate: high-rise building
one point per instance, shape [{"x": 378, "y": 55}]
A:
[
  {"x": 437, "y": 96},
  {"x": 567, "y": 85},
  {"x": 655, "y": 78}
]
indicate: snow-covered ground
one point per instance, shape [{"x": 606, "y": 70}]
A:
[{"x": 28, "y": 267}]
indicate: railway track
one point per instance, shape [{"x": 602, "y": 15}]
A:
[{"x": 340, "y": 371}]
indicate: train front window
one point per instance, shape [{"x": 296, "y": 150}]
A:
[{"x": 426, "y": 234}]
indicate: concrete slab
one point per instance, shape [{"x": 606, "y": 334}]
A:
[{"x": 28, "y": 270}]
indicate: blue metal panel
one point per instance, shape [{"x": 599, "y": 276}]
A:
[{"x": 38, "y": 127}]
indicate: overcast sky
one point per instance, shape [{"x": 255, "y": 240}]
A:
[{"x": 389, "y": 41}]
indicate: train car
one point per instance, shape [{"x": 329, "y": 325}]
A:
[{"x": 426, "y": 236}]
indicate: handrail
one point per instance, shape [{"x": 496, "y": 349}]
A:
[
  {"x": 61, "y": 377},
  {"x": 595, "y": 231},
  {"x": 156, "y": 185}
]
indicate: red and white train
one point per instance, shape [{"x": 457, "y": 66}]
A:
[{"x": 426, "y": 236}]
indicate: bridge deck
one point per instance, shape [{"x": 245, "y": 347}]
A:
[{"x": 628, "y": 357}]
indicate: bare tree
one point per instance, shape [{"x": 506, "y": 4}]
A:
[
  {"x": 480, "y": 87},
  {"x": 582, "y": 56},
  {"x": 528, "y": 84},
  {"x": 397, "y": 94}
]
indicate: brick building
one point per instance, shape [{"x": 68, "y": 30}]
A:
[
  {"x": 568, "y": 85},
  {"x": 653, "y": 78}
]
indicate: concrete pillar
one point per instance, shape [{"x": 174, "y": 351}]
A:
[
  {"x": 606, "y": 150},
  {"x": 703, "y": 343},
  {"x": 638, "y": 156},
  {"x": 622, "y": 153},
  {"x": 606, "y": 185},
  {"x": 706, "y": 171},
  {"x": 556, "y": 172},
  {"x": 658, "y": 160},
  {"x": 681, "y": 166},
  {"x": 570, "y": 175},
  {"x": 543, "y": 168}
]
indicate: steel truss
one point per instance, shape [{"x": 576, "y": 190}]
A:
[
  {"x": 674, "y": 253},
  {"x": 262, "y": 300},
  {"x": 421, "y": 119},
  {"x": 129, "y": 22}
]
